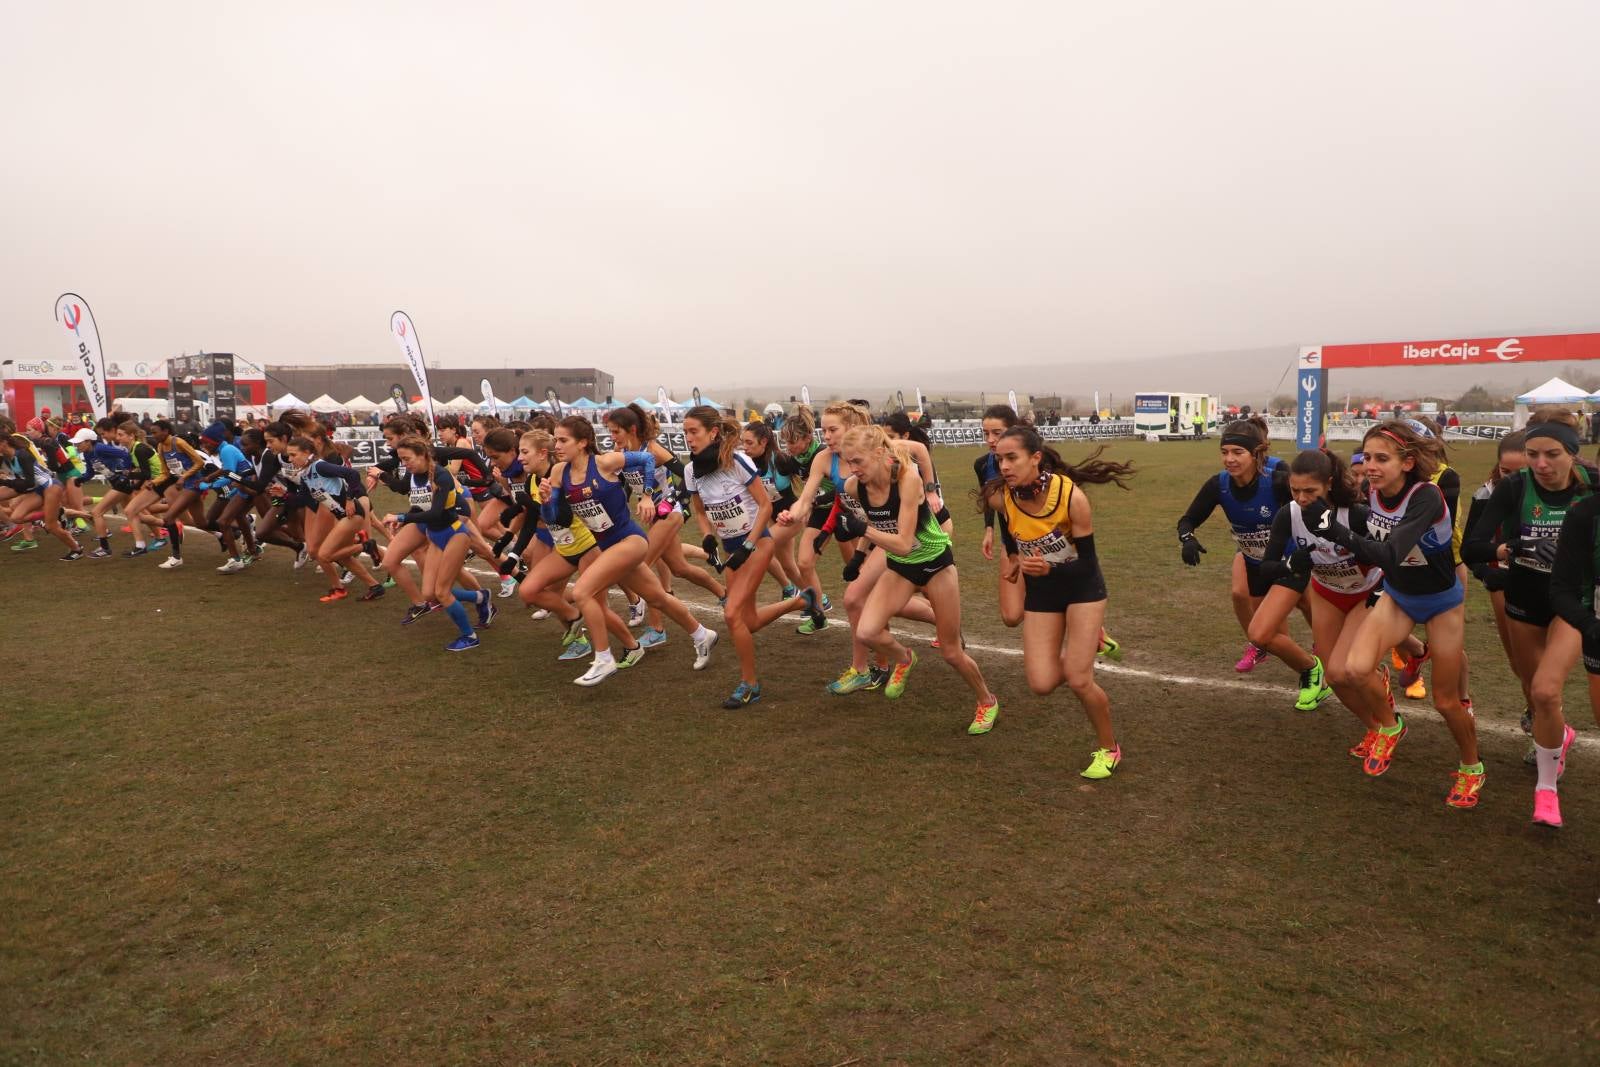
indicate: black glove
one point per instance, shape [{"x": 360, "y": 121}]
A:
[
  {"x": 852, "y": 570},
  {"x": 1494, "y": 579},
  {"x": 821, "y": 539},
  {"x": 508, "y": 563},
  {"x": 1316, "y": 515},
  {"x": 710, "y": 543},
  {"x": 502, "y": 542},
  {"x": 1591, "y": 632},
  {"x": 1542, "y": 549},
  {"x": 1300, "y": 562},
  {"x": 739, "y": 555},
  {"x": 847, "y": 527},
  {"x": 1192, "y": 549}
]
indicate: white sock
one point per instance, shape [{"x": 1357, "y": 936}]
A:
[
  {"x": 701, "y": 634},
  {"x": 603, "y": 658},
  {"x": 1549, "y": 766}
]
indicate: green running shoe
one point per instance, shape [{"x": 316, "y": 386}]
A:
[
  {"x": 1102, "y": 763},
  {"x": 630, "y": 657},
  {"x": 809, "y": 625},
  {"x": 1110, "y": 648},
  {"x": 897, "y": 677},
  {"x": 983, "y": 721},
  {"x": 850, "y": 681},
  {"x": 25, "y": 545},
  {"x": 1314, "y": 688}
]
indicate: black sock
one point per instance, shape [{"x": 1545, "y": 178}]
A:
[
  {"x": 105, "y": 543},
  {"x": 176, "y": 532}
]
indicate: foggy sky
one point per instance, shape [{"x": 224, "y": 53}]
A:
[{"x": 736, "y": 186}]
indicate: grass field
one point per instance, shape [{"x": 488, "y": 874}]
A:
[{"x": 243, "y": 826}]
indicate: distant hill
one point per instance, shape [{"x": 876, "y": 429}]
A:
[{"x": 1241, "y": 376}]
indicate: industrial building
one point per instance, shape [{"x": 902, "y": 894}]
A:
[{"x": 377, "y": 379}]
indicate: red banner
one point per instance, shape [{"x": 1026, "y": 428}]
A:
[{"x": 1557, "y": 346}]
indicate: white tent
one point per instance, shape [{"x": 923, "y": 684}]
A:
[
  {"x": 287, "y": 401},
  {"x": 1555, "y": 391},
  {"x": 459, "y": 403},
  {"x": 360, "y": 405},
  {"x": 325, "y": 404}
]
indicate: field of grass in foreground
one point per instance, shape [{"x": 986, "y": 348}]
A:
[{"x": 263, "y": 829}]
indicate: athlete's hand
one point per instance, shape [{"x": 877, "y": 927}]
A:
[
  {"x": 645, "y": 508},
  {"x": 508, "y": 563},
  {"x": 710, "y": 544},
  {"x": 935, "y": 502},
  {"x": 1317, "y": 516},
  {"x": 1494, "y": 579},
  {"x": 1035, "y": 565},
  {"x": 821, "y": 539},
  {"x": 1010, "y": 570},
  {"x": 1192, "y": 549},
  {"x": 1300, "y": 561},
  {"x": 1543, "y": 550},
  {"x": 988, "y": 542},
  {"x": 852, "y": 569},
  {"x": 785, "y": 517}
]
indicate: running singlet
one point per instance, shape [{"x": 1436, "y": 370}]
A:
[
  {"x": 570, "y": 538},
  {"x": 1044, "y": 535},
  {"x": 1333, "y": 566},
  {"x": 1432, "y": 551},
  {"x": 434, "y": 499},
  {"x": 599, "y": 503},
  {"x": 1540, "y": 519},
  {"x": 725, "y": 495},
  {"x": 825, "y": 488},
  {"x": 1251, "y": 519},
  {"x": 931, "y": 540}
]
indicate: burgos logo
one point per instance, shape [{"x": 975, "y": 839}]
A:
[
  {"x": 1508, "y": 349},
  {"x": 71, "y": 315}
]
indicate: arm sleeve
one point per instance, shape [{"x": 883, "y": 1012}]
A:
[
  {"x": 443, "y": 500},
  {"x": 644, "y": 462},
  {"x": 1570, "y": 574},
  {"x": 1450, "y": 486},
  {"x": 266, "y": 470},
  {"x": 1425, "y": 509},
  {"x": 1205, "y": 502},
  {"x": 1487, "y": 518},
  {"x": 977, "y": 472},
  {"x": 347, "y": 475}
]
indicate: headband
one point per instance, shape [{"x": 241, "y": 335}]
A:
[
  {"x": 1359, "y": 457},
  {"x": 1566, "y": 435},
  {"x": 1391, "y": 435},
  {"x": 1240, "y": 440},
  {"x": 1418, "y": 428}
]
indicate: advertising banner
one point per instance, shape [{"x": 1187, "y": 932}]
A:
[
  {"x": 405, "y": 335},
  {"x": 83, "y": 340}
]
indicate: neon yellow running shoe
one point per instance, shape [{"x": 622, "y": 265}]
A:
[
  {"x": 983, "y": 721},
  {"x": 1314, "y": 688},
  {"x": 1110, "y": 647},
  {"x": 1103, "y": 762},
  {"x": 850, "y": 681},
  {"x": 897, "y": 677}
]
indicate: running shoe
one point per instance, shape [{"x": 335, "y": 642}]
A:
[
  {"x": 75, "y": 554},
  {"x": 80, "y": 524},
  {"x": 702, "y": 649},
  {"x": 346, "y": 576},
  {"x": 1102, "y": 763},
  {"x": 136, "y": 550},
  {"x": 172, "y": 563},
  {"x": 652, "y": 638},
  {"x": 1252, "y": 656},
  {"x": 302, "y": 557},
  {"x": 1568, "y": 736},
  {"x": 24, "y": 545},
  {"x": 789, "y": 592},
  {"x": 807, "y": 626},
  {"x": 630, "y": 657},
  {"x": 261, "y": 550},
  {"x": 12, "y": 529},
  {"x": 636, "y": 612},
  {"x": 541, "y": 614},
  {"x": 1314, "y": 688},
  {"x": 597, "y": 673},
  {"x": 876, "y": 676},
  {"x": 158, "y": 543},
  {"x": 1465, "y": 785},
  {"x": 1466, "y": 706},
  {"x": 100, "y": 553},
  {"x": 850, "y": 681},
  {"x": 338, "y": 592},
  {"x": 827, "y": 605},
  {"x": 233, "y": 566},
  {"x": 577, "y": 650},
  {"x": 508, "y": 587},
  {"x": 1411, "y": 666},
  {"x": 1363, "y": 748},
  {"x": 744, "y": 694},
  {"x": 413, "y": 613},
  {"x": 573, "y": 632},
  {"x": 462, "y": 643},
  {"x": 814, "y": 614},
  {"x": 1527, "y": 721},
  {"x": 374, "y": 592},
  {"x": 1547, "y": 808},
  {"x": 486, "y": 610},
  {"x": 983, "y": 721},
  {"x": 897, "y": 676},
  {"x": 1110, "y": 648},
  {"x": 1382, "y": 752},
  {"x": 1417, "y": 690}
]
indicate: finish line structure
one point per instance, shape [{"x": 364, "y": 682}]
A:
[{"x": 1317, "y": 360}]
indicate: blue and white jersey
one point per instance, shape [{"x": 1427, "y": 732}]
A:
[
  {"x": 1251, "y": 519},
  {"x": 725, "y": 495}
]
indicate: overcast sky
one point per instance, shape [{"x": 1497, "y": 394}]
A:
[{"x": 835, "y": 183}]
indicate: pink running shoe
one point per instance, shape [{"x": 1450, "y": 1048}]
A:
[
  {"x": 1561, "y": 768},
  {"x": 1546, "y": 808},
  {"x": 1252, "y": 656}
]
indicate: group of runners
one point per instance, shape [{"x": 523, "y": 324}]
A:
[{"x": 1368, "y": 551}]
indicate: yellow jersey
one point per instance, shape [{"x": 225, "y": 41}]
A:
[{"x": 1048, "y": 533}]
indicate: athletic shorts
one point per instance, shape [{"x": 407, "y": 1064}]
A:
[
  {"x": 920, "y": 574},
  {"x": 161, "y": 487},
  {"x": 1528, "y": 597},
  {"x": 1591, "y": 656},
  {"x": 1259, "y": 584},
  {"x": 1345, "y": 602},
  {"x": 617, "y": 534},
  {"x": 1420, "y": 608},
  {"x": 441, "y": 538},
  {"x": 819, "y": 513},
  {"x": 543, "y": 535},
  {"x": 1053, "y": 593}
]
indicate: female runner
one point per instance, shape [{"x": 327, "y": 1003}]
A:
[
  {"x": 760, "y": 446},
  {"x": 35, "y": 487},
  {"x": 226, "y": 519},
  {"x": 336, "y": 519},
  {"x": 433, "y": 519},
  {"x": 1409, "y": 537},
  {"x": 1064, "y": 593}
]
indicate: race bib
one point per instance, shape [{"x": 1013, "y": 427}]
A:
[
  {"x": 593, "y": 515},
  {"x": 1253, "y": 543},
  {"x": 1343, "y": 577},
  {"x": 1054, "y": 547},
  {"x": 563, "y": 535},
  {"x": 421, "y": 499},
  {"x": 731, "y": 518}
]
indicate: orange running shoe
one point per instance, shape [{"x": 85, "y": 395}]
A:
[
  {"x": 1411, "y": 668},
  {"x": 336, "y": 593},
  {"x": 1465, "y": 785},
  {"x": 1361, "y": 749},
  {"x": 1382, "y": 751}
]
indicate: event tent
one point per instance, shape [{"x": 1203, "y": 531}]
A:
[
  {"x": 285, "y": 402},
  {"x": 583, "y": 403},
  {"x": 1555, "y": 391},
  {"x": 325, "y": 404},
  {"x": 523, "y": 403},
  {"x": 459, "y": 403},
  {"x": 361, "y": 404}
]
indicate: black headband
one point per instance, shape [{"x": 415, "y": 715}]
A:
[
  {"x": 1559, "y": 431},
  {"x": 1241, "y": 440}
]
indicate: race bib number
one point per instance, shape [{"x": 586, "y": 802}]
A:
[
  {"x": 592, "y": 513},
  {"x": 1345, "y": 576},
  {"x": 1054, "y": 547},
  {"x": 563, "y": 535},
  {"x": 421, "y": 499},
  {"x": 1253, "y": 543},
  {"x": 731, "y": 518}
]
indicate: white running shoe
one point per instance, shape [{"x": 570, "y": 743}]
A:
[
  {"x": 508, "y": 587},
  {"x": 172, "y": 563},
  {"x": 636, "y": 614},
  {"x": 347, "y": 577},
  {"x": 302, "y": 558},
  {"x": 597, "y": 673},
  {"x": 702, "y": 649},
  {"x": 233, "y": 566},
  {"x": 542, "y": 613}
]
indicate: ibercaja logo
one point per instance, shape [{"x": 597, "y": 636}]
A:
[{"x": 71, "y": 315}]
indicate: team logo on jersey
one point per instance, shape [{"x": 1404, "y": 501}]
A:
[
  {"x": 1266, "y": 512},
  {"x": 1538, "y": 511}
]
